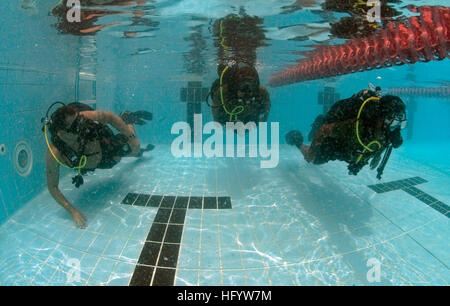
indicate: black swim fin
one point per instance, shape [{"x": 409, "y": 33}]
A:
[
  {"x": 144, "y": 115},
  {"x": 375, "y": 160},
  {"x": 139, "y": 117},
  {"x": 386, "y": 156}
]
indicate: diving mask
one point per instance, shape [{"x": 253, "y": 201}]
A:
[
  {"x": 76, "y": 125},
  {"x": 246, "y": 100},
  {"x": 397, "y": 121},
  {"x": 248, "y": 90}
]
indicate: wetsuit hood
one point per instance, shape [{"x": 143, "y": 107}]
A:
[{"x": 392, "y": 105}]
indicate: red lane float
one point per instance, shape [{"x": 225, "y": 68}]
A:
[
  {"x": 431, "y": 92},
  {"x": 420, "y": 39}
]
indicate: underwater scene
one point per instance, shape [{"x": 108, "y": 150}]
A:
[{"x": 225, "y": 143}]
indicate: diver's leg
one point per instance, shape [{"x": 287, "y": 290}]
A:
[
  {"x": 310, "y": 153},
  {"x": 307, "y": 153},
  {"x": 317, "y": 124},
  {"x": 295, "y": 138}
]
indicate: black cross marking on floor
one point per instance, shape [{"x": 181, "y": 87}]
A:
[
  {"x": 157, "y": 262},
  {"x": 407, "y": 185}
]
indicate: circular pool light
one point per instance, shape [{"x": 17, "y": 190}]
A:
[{"x": 23, "y": 158}]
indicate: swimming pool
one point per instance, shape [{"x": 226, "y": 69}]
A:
[{"x": 195, "y": 220}]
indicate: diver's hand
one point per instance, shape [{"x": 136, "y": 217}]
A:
[
  {"x": 354, "y": 168},
  {"x": 79, "y": 219},
  {"x": 395, "y": 138}
]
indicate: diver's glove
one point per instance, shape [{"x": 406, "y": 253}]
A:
[
  {"x": 354, "y": 168},
  {"x": 77, "y": 180},
  {"x": 396, "y": 138},
  {"x": 139, "y": 117}
]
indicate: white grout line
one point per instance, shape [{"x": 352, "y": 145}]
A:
[
  {"x": 182, "y": 236},
  {"x": 162, "y": 243}
]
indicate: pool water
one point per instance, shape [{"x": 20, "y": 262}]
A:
[{"x": 199, "y": 221}]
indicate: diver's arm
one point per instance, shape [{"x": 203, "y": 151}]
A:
[
  {"x": 127, "y": 130},
  {"x": 53, "y": 181},
  {"x": 105, "y": 117},
  {"x": 117, "y": 122},
  {"x": 52, "y": 184}
]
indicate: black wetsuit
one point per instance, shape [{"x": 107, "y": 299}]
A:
[
  {"x": 340, "y": 141},
  {"x": 111, "y": 145}
]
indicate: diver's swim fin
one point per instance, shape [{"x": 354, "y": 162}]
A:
[
  {"x": 386, "y": 156},
  {"x": 139, "y": 117},
  {"x": 375, "y": 160},
  {"x": 144, "y": 115},
  {"x": 294, "y": 138}
]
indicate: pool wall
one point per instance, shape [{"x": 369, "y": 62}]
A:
[{"x": 37, "y": 67}]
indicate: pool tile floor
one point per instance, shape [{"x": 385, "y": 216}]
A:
[{"x": 296, "y": 224}]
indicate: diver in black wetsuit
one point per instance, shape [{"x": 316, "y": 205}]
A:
[
  {"x": 237, "y": 95},
  {"x": 355, "y": 130},
  {"x": 81, "y": 140}
]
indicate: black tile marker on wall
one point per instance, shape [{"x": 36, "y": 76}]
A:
[
  {"x": 194, "y": 94},
  {"x": 327, "y": 98},
  {"x": 408, "y": 185},
  {"x": 157, "y": 262}
]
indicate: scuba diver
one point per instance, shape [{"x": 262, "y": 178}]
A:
[
  {"x": 81, "y": 140},
  {"x": 237, "y": 94},
  {"x": 355, "y": 130}
]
